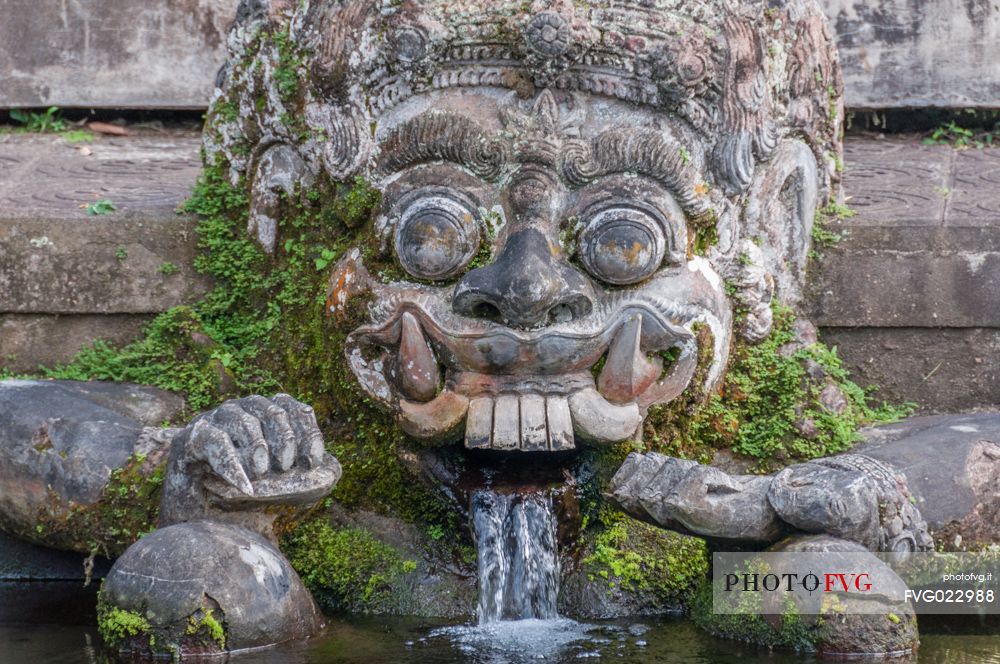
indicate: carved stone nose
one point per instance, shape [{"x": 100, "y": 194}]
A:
[{"x": 526, "y": 286}]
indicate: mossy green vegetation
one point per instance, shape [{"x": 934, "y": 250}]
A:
[
  {"x": 116, "y": 625},
  {"x": 638, "y": 558},
  {"x": 204, "y": 626},
  {"x": 348, "y": 569},
  {"x": 127, "y": 509},
  {"x": 774, "y": 406},
  {"x": 130, "y": 632},
  {"x": 787, "y": 631}
]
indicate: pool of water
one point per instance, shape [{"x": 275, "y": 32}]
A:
[{"x": 409, "y": 641}]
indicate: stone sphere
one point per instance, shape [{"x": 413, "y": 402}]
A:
[{"x": 175, "y": 576}]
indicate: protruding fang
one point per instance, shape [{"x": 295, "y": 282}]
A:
[
  {"x": 627, "y": 371},
  {"x": 418, "y": 368},
  {"x": 598, "y": 421},
  {"x": 479, "y": 423},
  {"x": 437, "y": 421}
]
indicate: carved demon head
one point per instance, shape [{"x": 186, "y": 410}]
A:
[{"x": 576, "y": 196}]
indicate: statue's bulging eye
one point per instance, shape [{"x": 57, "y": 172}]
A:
[
  {"x": 622, "y": 245},
  {"x": 436, "y": 237}
]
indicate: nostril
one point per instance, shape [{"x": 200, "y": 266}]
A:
[
  {"x": 561, "y": 313},
  {"x": 570, "y": 310},
  {"x": 486, "y": 311}
]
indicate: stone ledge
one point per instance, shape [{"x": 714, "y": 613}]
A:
[
  {"x": 58, "y": 259},
  {"x": 939, "y": 369},
  {"x": 30, "y": 340},
  {"x": 924, "y": 248}
]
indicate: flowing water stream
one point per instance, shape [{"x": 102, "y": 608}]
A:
[{"x": 517, "y": 557}]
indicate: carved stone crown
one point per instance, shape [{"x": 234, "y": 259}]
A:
[{"x": 741, "y": 74}]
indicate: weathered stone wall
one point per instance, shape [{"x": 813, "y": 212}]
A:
[
  {"x": 68, "y": 277},
  {"x": 911, "y": 294},
  {"x": 165, "y": 53},
  {"x": 111, "y": 53}
]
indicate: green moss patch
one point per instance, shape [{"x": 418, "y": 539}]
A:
[
  {"x": 770, "y": 407},
  {"x": 348, "y": 569},
  {"x": 638, "y": 558}
]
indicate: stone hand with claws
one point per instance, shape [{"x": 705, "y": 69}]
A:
[{"x": 244, "y": 456}]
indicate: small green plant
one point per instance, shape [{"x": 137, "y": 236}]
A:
[
  {"x": 115, "y": 625},
  {"x": 101, "y": 207},
  {"x": 121, "y": 253},
  {"x": 78, "y": 136},
  {"x": 168, "y": 269},
  {"x": 962, "y": 138},
  {"x": 326, "y": 256},
  {"x": 46, "y": 122},
  {"x": 822, "y": 236}
]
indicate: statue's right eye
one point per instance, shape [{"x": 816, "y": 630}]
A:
[{"x": 436, "y": 237}]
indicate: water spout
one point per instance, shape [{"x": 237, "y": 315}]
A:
[{"x": 518, "y": 561}]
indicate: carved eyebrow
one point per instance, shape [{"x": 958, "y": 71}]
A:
[
  {"x": 443, "y": 136},
  {"x": 645, "y": 152}
]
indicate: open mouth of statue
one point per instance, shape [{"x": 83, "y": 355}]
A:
[{"x": 456, "y": 379}]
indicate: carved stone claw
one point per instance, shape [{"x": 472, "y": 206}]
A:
[{"x": 246, "y": 454}]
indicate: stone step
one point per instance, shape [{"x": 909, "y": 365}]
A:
[
  {"x": 66, "y": 276},
  {"x": 910, "y": 295},
  {"x": 122, "y": 53}
]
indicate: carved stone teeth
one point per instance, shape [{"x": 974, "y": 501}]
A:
[
  {"x": 533, "y": 428},
  {"x": 627, "y": 371},
  {"x": 418, "y": 368},
  {"x": 510, "y": 422},
  {"x": 560, "y": 424},
  {"x": 506, "y": 422},
  {"x": 479, "y": 423}
]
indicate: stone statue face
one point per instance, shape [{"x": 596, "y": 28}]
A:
[
  {"x": 578, "y": 198},
  {"x": 550, "y": 292}
]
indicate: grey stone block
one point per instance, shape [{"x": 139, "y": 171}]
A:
[
  {"x": 60, "y": 259},
  {"x": 112, "y": 53},
  {"x": 885, "y": 288},
  {"x": 952, "y": 466},
  {"x": 918, "y": 53},
  {"x": 939, "y": 369},
  {"x": 30, "y": 340}
]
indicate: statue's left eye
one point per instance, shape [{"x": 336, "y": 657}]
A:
[
  {"x": 622, "y": 245},
  {"x": 436, "y": 237}
]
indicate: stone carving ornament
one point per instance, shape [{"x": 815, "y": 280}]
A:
[
  {"x": 567, "y": 186},
  {"x": 575, "y": 199}
]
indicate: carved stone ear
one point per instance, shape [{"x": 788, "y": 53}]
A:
[
  {"x": 779, "y": 215},
  {"x": 278, "y": 172}
]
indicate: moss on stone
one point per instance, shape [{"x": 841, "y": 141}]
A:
[
  {"x": 638, "y": 558},
  {"x": 348, "y": 569},
  {"x": 769, "y": 408},
  {"x": 117, "y": 625},
  {"x": 204, "y": 626},
  {"x": 783, "y": 632},
  {"x": 127, "y": 509},
  {"x": 129, "y": 632}
]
